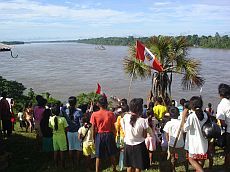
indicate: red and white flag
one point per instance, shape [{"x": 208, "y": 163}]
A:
[
  {"x": 143, "y": 54},
  {"x": 99, "y": 91}
]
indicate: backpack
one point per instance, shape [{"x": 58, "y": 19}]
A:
[{"x": 210, "y": 129}]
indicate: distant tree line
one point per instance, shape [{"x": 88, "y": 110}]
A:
[
  {"x": 216, "y": 41},
  {"x": 12, "y": 42}
]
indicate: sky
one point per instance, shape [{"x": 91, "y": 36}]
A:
[{"x": 27, "y": 20}]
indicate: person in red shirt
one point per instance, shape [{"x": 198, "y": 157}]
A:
[{"x": 103, "y": 122}]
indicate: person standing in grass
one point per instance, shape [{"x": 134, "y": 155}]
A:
[
  {"x": 29, "y": 116},
  {"x": 195, "y": 143},
  {"x": 103, "y": 123},
  {"x": 38, "y": 115},
  {"x": 5, "y": 115},
  {"x": 21, "y": 118},
  {"x": 73, "y": 117},
  {"x": 136, "y": 156},
  {"x": 223, "y": 114},
  {"x": 85, "y": 134},
  {"x": 59, "y": 125},
  {"x": 47, "y": 140}
]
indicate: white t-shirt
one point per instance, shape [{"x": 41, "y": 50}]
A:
[
  {"x": 195, "y": 142},
  {"x": 20, "y": 116},
  {"x": 223, "y": 112},
  {"x": 88, "y": 140},
  {"x": 133, "y": 135},
  {"x": 172, "y": 128}
]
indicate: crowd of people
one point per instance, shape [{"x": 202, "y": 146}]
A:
[{"x": 130, "y": 133}]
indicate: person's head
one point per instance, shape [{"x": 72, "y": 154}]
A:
[
  {"x": 159, "y": 100},
  {"x": 151, "y": 105},
  {"x": 72, "y": 101},
  {"x": 182, "y": 102},
  {"x": 196, "y": 105},
  {"x": 124, "y": 108},
  {"x": 145, "y": 106},
  {"x": 209, "y": 105},
  {"x": 123, "y": 102},
  {"x": 136, "y": 107},
  {"x": 38, "y": 98},
  {"x": 4, "y": 94},
  {"x": 224, "y": 91},
  {"x": 55, "y": 109},
  {"x": 85, "y": 119},
  {"x": 174, "y": 112},
  {"x": 102, "y": 102}
]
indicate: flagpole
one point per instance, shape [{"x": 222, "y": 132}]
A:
[{"x": 130, "y": 82}]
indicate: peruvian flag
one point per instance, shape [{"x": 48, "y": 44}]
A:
[
  {"x": 143, "y": 54},
  {"x": 99, "y": 91}
]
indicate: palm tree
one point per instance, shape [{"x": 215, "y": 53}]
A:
[{"x": 172, "y": 54}]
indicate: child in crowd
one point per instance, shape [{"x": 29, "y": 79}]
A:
[
  {"x": 85, "y": 134},
  {"x": 176, "y": 145},
  {"x": 47, "y": 140},
  {"x": 195, "y": 142},
  {"x": 59, "y": 125},
  {"x": 181, "y": 106},
  {"x": 21, "y": 119},
  {"x": 29, "y": 116},
  {"x": 120, "y": 134},
  {"x": 152, "y": 139}
]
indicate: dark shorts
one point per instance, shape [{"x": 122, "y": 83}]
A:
[
  {"x": 227, "y": 147},
  {"x": 136, "y": 156},
  {"x": 105, "y": 145}
]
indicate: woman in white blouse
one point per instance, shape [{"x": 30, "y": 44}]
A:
[
  {"x": 136, "y": 157},
  {"x": 195, "y": 143}
]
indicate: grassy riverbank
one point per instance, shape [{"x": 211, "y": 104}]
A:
[{"x": 26, "y": 157}]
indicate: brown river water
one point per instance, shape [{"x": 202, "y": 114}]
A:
[{"x": 66, "y": 69}]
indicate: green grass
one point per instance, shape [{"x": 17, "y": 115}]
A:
[{"x": 26, "y": 157}]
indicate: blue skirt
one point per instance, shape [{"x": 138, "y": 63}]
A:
[{"x": 105, "y": 145}]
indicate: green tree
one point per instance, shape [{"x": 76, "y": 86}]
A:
[{"x": 172, "y": 54}]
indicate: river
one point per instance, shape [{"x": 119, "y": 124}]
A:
[{"x": 66, "y": 69}]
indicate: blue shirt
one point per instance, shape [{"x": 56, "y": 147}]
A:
[{"x": 74, "y": 123}]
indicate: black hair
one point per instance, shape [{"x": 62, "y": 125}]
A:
[
  {"x": 123, "y": 102},
  {"x": 182, "y": 101},
  {"x": 85, "y": 118},
  {"x": 173, "y": 103},
  {"x": 145, "y": 105},
  {"x": 151, "y": 105},
  {"x": 196, "y": 104},
  {"x": 72, "y": 100},
  {"x": 136, "y": 107},
  {"x": 55, "y": 109},
  {"x": 124, "y": 108},
  {"x": 209, "y": 105},
  {"x": 159, "y": 100},
  {"x": 174, "y": 112},
  {"x": 102, "y": 102},
  {"x": 224, "y": 90}
]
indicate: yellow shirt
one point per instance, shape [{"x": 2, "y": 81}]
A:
[
  {"x": 159, "y": 111},
  {"x": 119, "y": 130}
]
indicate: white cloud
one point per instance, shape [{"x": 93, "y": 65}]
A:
[{"x": 31, "y": 10}]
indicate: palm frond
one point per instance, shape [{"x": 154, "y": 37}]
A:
[
  {"x": 191, "y": 78},
  {"x": 135, "y": 68}
]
